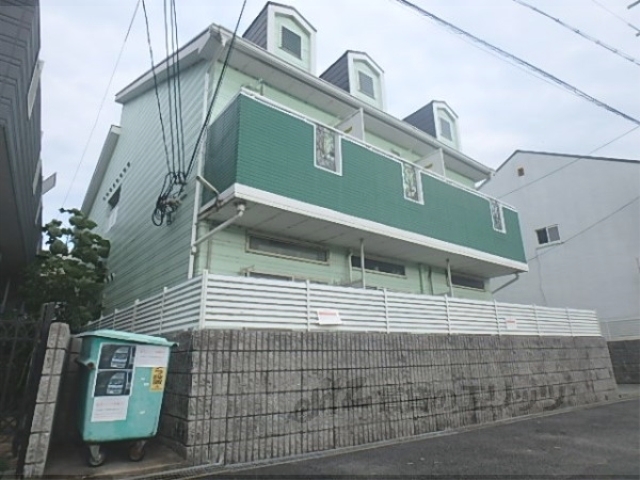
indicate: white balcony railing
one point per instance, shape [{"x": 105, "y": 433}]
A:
[{"x": 229, "y": 302}]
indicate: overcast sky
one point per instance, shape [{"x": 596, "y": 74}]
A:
[{"x": 501, "y": 107}]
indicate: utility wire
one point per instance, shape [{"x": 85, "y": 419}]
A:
[
  {"x": 614, "y": 140},
  {"x": 155, "y": 86},
  {"x": 174, "y": 182},
  {"x": 216, "y": 91},
  {"x": 539, "y": 71},
  {"x": 618, "y": 17},
  {"x": 552, "y": 172},
  {"x": 569, "y": 164},
  {"x": 538, "y": 255},
  {"x": 581, "y": 33},
  {"x": 104, "y": 97},
  {"x": 179, "y": 95}
]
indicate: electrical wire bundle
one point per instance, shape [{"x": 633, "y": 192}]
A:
[
  {"x": 178, "y": 171},
  {"x": 174, "y": 150}
]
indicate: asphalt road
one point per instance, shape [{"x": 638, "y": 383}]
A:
[{"x": 599, "y": 442}]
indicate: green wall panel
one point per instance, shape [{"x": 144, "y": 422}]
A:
[{"x": 276, "y": 154}]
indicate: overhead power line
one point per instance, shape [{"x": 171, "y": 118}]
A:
[
  {"x": 104, "y": 97},
  {"x": 614, "y": 140},
  {"x": 613, "y": 50},
  {"x": 513, "y": 58},
  {"x": 586, "y": 229},
  {"x": 618, "y": 17}
]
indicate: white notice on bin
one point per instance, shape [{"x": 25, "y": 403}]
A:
[
  {"x": 109, "y": 409},
  {"x": 151, "y": 356}
]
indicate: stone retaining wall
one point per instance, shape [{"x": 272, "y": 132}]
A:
[
  {"x": 241, "y": 396},
  {"x": 625, "y": 357}
]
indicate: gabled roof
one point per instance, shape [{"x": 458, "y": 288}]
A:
[{"x": 565, "y": 155}]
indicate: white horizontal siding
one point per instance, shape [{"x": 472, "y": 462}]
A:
[{"x": 233, "y": 302}]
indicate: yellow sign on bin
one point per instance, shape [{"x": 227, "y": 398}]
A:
[{"x": 158, "y": 378}]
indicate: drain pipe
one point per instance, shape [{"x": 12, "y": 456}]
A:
[
  {"x": 449, "y": 278},
  {"x": 515, "y": 279},
  {"x": 364, "y": 281},
  {"x": 240, "y": 211}
]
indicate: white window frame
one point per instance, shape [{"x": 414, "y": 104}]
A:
[
  {"x": 442, "y": 120},
  {"x": 289, "y": 241},
  {"x": 492, "y": 204},
  {"x": 549, "y": 242},
  {"x": 418, "y": 173},
  {"x": 338, "y": 149},
  {"x": 282, "y": 46},
  {"x": 373, "y": 84},
  {"x": 470, "y": 277},
  {"x": 113, "y": 212}
]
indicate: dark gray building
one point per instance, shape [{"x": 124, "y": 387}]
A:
[{"x": 20, "y": 164}]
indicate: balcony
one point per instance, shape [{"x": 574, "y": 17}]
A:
[{"x": 306, "y": 180}]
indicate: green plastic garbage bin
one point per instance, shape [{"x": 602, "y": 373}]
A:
[{"x": 121, "y": 390}]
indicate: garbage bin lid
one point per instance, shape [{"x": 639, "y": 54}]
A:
[{"x": 128, "y": 337}]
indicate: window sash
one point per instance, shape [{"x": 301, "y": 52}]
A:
[
  {"x": 379, "y": 266},
  {"x": 291, "y": 42},
  {"x": 465, "y": 281},
  {"x": 445, "y": 129},
  {"x": 288, "y": 249},
  {"x": 365, "y": 84}
]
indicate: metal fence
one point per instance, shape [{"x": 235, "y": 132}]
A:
[
  {"x": 621, "y": 329},
  {"x": 215, "y": 301}
]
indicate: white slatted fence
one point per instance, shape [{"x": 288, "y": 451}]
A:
[{"x": 229, "y": 302}]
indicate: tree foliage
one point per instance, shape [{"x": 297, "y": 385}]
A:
[{"x": 72, "y": 271}]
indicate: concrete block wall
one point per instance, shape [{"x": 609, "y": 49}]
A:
[
  {"x": 241, "y": 396},
  {"x": 625, "y": 358},
  {"x": 47, "y": 397}
]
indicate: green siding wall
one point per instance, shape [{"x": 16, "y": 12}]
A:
[
  {"x": 226, "y": 254},
  {"x": 276, "y": 154},
  {"x": 145, "y": 258}
]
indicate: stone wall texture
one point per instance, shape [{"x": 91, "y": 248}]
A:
[
  {"x": 625, "y": 358},
  {"x": 241, "y": 396},
  {"x": 46, "y": 400}
]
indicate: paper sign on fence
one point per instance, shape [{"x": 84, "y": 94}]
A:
[
  {"x": 511, "y": 323},
  {"x": 329, "y": 317}
]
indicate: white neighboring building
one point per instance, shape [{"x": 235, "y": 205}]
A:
[{"x": 580, "y": 220}]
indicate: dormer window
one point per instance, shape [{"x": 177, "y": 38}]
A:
[
  {"x": 291, "y": 42},
  {"x": 365, "y": 83},
  {"x": 445, "y": 129}
]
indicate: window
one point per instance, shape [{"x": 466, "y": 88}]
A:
[
  {"x": 548, "y": 235},
  {"x": 445, "y": 129},
  {"x": 378, "y": 266},
  {"x": 291, "y": 42},
  {"x": 467, "y": 282},
  {"x": 328, "y": 150},
  {"x": 113, "y": 205},
  {"x": 497, "y": 216},
  {"x": 289, "y": 249},
  {"x": 411, "y": 181},
  {"x": 269, "y": 276},
  {"x": 365, "y": 83},
  {"x": 521, "y": 171}
]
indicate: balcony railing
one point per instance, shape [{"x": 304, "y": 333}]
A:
[
  {"x": 227, "y": 302},
  {"x": 258, "y": 144}
]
